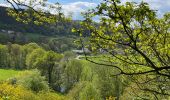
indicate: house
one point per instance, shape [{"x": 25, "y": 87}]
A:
[
  {"x": 10, "y": 32},
  {"x": 82, "y": 51}
]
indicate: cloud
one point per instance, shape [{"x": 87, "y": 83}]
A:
[
  {"x": 77, "y": 7},
  {"x": 5, "y": 5},
  {"x": 162, "y": 6},
  {"x": 26, "y": 2},
  {"x": 159, "y": 5}
]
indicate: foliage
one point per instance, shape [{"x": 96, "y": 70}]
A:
[
  {"x": 135, "y": 42},
  {"x": 29, "y": 21},
  {"x": 95, "y": 82},
  {"x": 11, "y": 92},
  {"x": 14, "y": 55},
  {"x": 84, "y": 91},
  {"x": 71, "y": 74},
  {"x": 17, "y": 92},
  {"x": 31, "y": 80},
  {"x": 129, "y": 39},
  {"x": 68, "y": 55},
  {"x": 46, "y": 64},
  {"x": 133, "y": 91},
  {"x": 51, "y": 96},
  {"x": 30, "y": 14},
  {"x": 3, "y": 57},
  {"x": 89, "y": 92},
  {"x": 33, "y": 57},
  {"x": 108, "y": 85},
  {"x": 62, "y": 44}
]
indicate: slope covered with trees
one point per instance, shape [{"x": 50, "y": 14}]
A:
[{"x": 7, "y": 22}]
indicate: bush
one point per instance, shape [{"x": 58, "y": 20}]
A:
[
  {"x": 18, "y": 92},
  {"x": 11, "y": 92},
  {"x": 50, "y": 96},
  {"x": 84, "y": 91},
  {"x": 31, "y": 80}
]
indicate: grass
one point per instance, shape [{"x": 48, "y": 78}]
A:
[{"x": 7, "y": 73}]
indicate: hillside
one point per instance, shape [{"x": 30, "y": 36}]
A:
[
  {"x": 9, "y": 23},
  {"x": 57, "y": 37}
]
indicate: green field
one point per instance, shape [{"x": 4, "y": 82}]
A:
[{"x": 5, "y": 73}]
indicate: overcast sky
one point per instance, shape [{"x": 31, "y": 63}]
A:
[{"x": 77, "y": 6}]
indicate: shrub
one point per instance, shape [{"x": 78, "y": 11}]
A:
[
  {"x": 31, "y": 80},
  {"x": 84, "y": 91},
  {"x": 14, "y": 92},
  {"x": 18, "y": 92},
  {"x": 50, "y": 96}
]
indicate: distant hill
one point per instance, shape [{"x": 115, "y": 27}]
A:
[
  {"x": 9, "y": 23},
  {"x": 58, "y": 38}
]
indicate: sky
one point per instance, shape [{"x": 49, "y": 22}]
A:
[
  {"x": 71, "y": 1},
  {"x": 78, "y": 6}
]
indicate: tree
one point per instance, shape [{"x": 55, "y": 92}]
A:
[
  {"x": 72, "y": 73},
  {"x": 108, "y": 86},
  {"x": 14, "y": 56},
  {"x": 3, "y": 56},
  {"x": 32, "y": 11},
  {"x": 46, "y": 64},
  {"x": 135, "y": 42},
  {"x": 38, "y": 12},
  {"x": 31, "y": 80},
  {"x": 68, "y": 55},
  {"x": 27, "y": 50},
  {"x": 84, "y": 91},
  {"x": 33, "y": 57}
]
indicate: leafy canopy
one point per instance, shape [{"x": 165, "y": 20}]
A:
[
  {"x": 132, "y": 39},
  {"x": 38, "y": 12}
]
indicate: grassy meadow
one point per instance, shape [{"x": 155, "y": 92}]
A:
[{"x": 7, "y": 73}]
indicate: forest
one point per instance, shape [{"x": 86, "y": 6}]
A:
[{"x": 124, "y": 55}]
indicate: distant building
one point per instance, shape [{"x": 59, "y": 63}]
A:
[
  {"x": 87, "y": 51},
  {"x": 10, "y": 32},
  {"x": 3, "y": 31}
]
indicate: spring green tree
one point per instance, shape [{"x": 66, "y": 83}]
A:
[
  {"x": 46, "y": 64},
  {"x": 31, "y": 80},
  {"x": 32, "y": 58},
  {"x": 72, "y": 71},
  {"x": 3, "y": 56},
  {"x": 133, "y": 40}
]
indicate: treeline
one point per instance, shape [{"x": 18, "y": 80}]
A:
[{"x": 58, "y": 44}]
